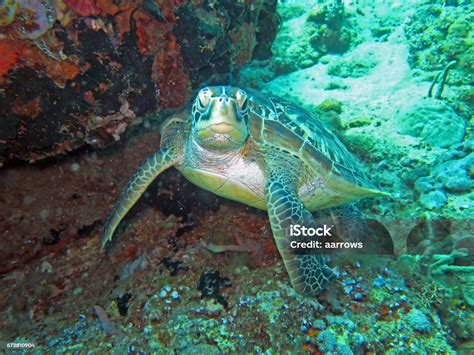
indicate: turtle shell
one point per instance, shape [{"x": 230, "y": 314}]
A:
[{"x": 276, "y": 122}]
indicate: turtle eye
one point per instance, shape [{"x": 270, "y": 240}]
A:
[
  {"x": 204, "y": 97},
  {"x": 241, "y": 98}
]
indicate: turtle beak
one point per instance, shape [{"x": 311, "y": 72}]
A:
[
  {"x": 222, "y": 124},
  {"x": 222, "y": 128}
]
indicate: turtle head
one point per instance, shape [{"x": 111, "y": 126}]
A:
[{"x": 220, "y": 118}]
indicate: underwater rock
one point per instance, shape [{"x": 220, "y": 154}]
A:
[
  {"x": 433, "y": 199},
  {"x": 452, "y": 176},
  {"x": 354, "y": 65},
  {"x": 85, "y": 72},
  {"x": 83, "y": 8},
  {"x": 217, "y": 45},
  {"x": 433, "y": 121}
]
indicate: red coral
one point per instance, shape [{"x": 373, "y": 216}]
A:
[
  {"x": 170, "y": 77},
  {"x": 108, "y": 7},
  {"x": 150, "y": 33},
  {"x": 58, "y": 71},
  {"x": 83, "y": 7},
  {"x": 156, "y": 38},
  {"x": 122, "y": 21},
  {"x": 167, "y": 10},
  {"x": 8, "y": 57}
]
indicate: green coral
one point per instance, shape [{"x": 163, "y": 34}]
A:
[
  {"x": 331, "y": 14},
  {"x": 437, "y": 35},
  {"x": 332, "y": 32},
  {"x": 270, "y": 304},
  {"x": 331, "y": 105},
  {"x": 378, "y": 295},
  {"x": 442, "y": 263},
  {"x": 360, "y": 121}
]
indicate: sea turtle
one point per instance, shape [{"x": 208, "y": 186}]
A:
[{"x": 264, "y": 152}]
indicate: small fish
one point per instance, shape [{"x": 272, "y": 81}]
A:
[{"x": 106, "y": 323}]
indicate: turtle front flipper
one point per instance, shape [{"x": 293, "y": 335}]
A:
[
  {"x": 153, "y": 166},
  {"x": 309, "y": 274}
]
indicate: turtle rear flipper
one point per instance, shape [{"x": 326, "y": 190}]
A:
[
  {"x": 153, "y": 166},
  {"x": 308, "y": 273}
]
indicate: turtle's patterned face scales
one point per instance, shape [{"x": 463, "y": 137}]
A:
[{"x": 220, "y": 117}]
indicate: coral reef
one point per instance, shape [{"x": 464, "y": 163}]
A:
[
  {"x": 28, "y": 19},
  {"x": 309, "y": 32},
  {"x": 333, "y": 33},
  {"x": 438, "y": 35},
  {"x": 433, "y": 121},
  {"x": 101, "y": 54},
  {"x": 419, "y": 321},
  {"x": 447, "y": 176},
  {"x": 193, "y": 273},
  {"x": 83, "y": 8},
  {"x": 159, "y": 289}
]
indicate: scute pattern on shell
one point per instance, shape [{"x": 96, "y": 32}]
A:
[{"x": 310, "y": 130}]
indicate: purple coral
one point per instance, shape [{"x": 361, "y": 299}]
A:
[{"x": 43, "y": 18}]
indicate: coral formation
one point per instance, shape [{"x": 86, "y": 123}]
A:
[
  {"x": 448, "y": 175},
  {"x": 103, "y": 53},
  {"x": 433, "y": 121},
  {"x": 83, "y": 8},
  {"x": 439, "y": 34},
  {"x": 419, "y": 321},
  {"x": 332, "y": 33},
  {"x": 8, "y": 57},
  {"x": 26, "y": 19}
]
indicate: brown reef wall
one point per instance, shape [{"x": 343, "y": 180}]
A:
[{"x": 89, "y": 70}]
